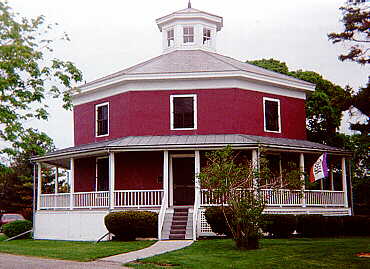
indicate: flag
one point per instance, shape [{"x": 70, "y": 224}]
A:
[{"x": 319, "y": 169}]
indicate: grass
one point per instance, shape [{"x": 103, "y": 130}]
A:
[
  {"x": 69, "y": 250},
  {"x": 338, "y": 253}
]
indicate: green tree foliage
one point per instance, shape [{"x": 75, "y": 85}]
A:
[
  {"x": 356, "y": 22},
  {"x": 271, "y": 64},
  {"x": 16, "y": 179},
  {"x": 27, "y": 77}
]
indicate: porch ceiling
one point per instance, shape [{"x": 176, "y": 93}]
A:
[{"x": 174, "y": 142}]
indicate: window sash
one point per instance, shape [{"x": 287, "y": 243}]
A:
[
  {"x": 206, "y": 35},
  {"x": 183, "y": 113},
  {"x": 170, "y": 37},
  {"x": 188, "y": 34}
]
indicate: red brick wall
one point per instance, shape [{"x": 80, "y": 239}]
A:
[{"x": 221, "y": 111}]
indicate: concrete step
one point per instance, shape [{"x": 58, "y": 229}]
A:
[
  {"x": 177, "y": 236},
  {"x": 177, "y": 232}
]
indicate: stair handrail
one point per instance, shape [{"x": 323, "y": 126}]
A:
[
  {"x": 161, "y": 216},
  {"x": 196, "y": 211}
]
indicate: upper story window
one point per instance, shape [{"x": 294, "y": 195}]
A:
[
  {"x": 271, "y": 108},
  {"x": 170, "y": 38},
  {"x": 206, "y": 36},
  {"x": 102, "y": 119},
  {"x": 183, "y": 112},
  {"x": 188, "y": 34}
]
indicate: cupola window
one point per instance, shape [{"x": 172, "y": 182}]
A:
[
  {"x": 188, "y": 34},
  {"x": 170, "y": 38},
  {"x": 206, "y": 36}
]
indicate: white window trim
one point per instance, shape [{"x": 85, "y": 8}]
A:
[
  {"x": 96, "y": 170},
  {"x": 264, "y": 115},
  {"x": 96, "y": 119},
  {"x": 194, "y": 96}
]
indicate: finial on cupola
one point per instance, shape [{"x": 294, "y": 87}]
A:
[{"x": 189, "y": 4}]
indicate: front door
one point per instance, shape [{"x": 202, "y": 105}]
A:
[{"x": 183, "y": 180}]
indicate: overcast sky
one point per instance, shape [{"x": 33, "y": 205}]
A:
[{"x": 107, "y": 36}]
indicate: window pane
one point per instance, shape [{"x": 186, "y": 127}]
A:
[
  {"x": 103, "y": 174},
  {"x": 183, "y": 112},
  {"x": 272, "y": 115}
]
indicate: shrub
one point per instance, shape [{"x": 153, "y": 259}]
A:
[
  {"x": 216, "y": 219},
  {"x": 128, "y": 225},
  {"x": 356, "y": 225},
  {"x": 311, "y": 225},
  {"x": 17, "y": 227},
  {"x": 279, "y": 226}
]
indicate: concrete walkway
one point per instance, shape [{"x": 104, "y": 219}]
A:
[{"x": 158, "y": 248}]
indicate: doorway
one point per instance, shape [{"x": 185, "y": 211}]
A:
[{"x": 183, "y": 180}]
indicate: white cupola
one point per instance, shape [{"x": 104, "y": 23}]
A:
[{"x": 189, "y": 29}]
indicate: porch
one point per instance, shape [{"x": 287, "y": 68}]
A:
[{"x": 160, "y": 178}]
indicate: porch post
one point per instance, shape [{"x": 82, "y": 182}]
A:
[
  {"x": 56, "y": 180},
  {"x": 331, "y": 177},
  {"x": 111, "y": 180},
  {"x": 165, "y": 177},
  {"x": 39, "y": 181},
  {"x": 344, "y": 181},
  {"x": 255, "y": 166},
  {"x": 72, "y": 182},
  {"x": 301, "y": 168},
  {"x": 197, "y": 171},
  {"x": 55, "y": 186}
]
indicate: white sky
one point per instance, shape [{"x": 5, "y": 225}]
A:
[{"x": 107, "y": 36}]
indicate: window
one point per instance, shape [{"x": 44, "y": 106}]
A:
[
  {"x": 271, "y": 109},
  {"x": 206, "y": 36},
  {"x": 102, "y": 174},
  {"x": 170, "y": 38},
  {"x": 183, "y": 112},
  {"x": 102, "y": 119},
  {"x": 188, "y": 34}
]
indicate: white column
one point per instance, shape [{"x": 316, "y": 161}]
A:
[
  {"x": 344, "y": 181},
  {"x": 301, "y": 168},
  {"x": 39, "y": 182},
  {"x": 111, "y": 179},
  {"x": 197, "y": 171},
  {"x": 72, "y": 182},
  {"x": 331, "y": 177},
  {"x": 255, "y": 166},
  {"x": 56, "y": 180},
  {"x": 165, "y": 177}
]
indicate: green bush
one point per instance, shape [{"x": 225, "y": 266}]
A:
[
  {"x": 216, "y": 219},
  {"x": 128, "y": 225},
  {"x": 279, "y": 226},
  {"x": 17, "y": 227}
]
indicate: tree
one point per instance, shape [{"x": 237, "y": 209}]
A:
[
  {"x": 356, "y": 22},
  {"x": 27, "y": 77},
  {"x": 236, "y": 183},
  {"x": 16, "y": 180},
  {"x": 271, "y": 64}
]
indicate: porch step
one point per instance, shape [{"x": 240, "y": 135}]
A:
[{"x": 178, "y": 224}]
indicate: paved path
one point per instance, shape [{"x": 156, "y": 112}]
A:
[
  {"x": 8, "y": 261},
  {"x": 158, "y": 248}
]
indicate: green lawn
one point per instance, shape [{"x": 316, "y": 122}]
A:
[
  {"x": 68, "y": 250},
  {"x": 333, "y": 253}
]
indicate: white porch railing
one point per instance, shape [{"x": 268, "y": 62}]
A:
[
  {"x": 138, "y": 198},
  {"x": 285, "y": 198},
  {"x": 59, "y": 200},
  {"x": 97, "y": 199}
]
